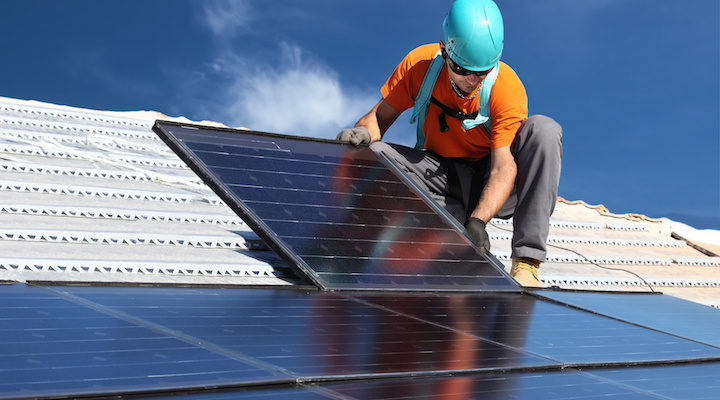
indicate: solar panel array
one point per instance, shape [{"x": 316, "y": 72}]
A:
[
  {"x": 347, "y": 219},
  {"x": 221, "y": 343},
  {"x": 338, "y": 213}
]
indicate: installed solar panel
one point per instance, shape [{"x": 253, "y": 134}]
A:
[
  {"x": 682, "y": 382},
  {"x": 310, "y": 334},
  {"x": 517, "y": 386},
  {"x": 340, "y": 214},
  {"x": 566, "y": 335},
  {"x": 69, "y": 341},
  {"x": 692, "y": 381},
  {"x": 272, "y": 393},
  {"x": 50, "y": 346},
  {"x": 665, "y": 313}
]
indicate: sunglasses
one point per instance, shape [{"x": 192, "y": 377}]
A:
[{"x": 462, "y": 71}]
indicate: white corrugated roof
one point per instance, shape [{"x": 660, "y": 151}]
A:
[{"x": 95, "y": 196}]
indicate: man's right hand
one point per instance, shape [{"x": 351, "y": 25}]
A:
[
  {"x": 476, "y": 230},
  {"x": 355, "y": 136}
]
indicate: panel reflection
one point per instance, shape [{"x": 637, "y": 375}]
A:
[
  {"x": 547, "y": 329},
  {"x": 318, "y": 334},
  {"x": 501, "y": 318},
  {"x": 390, "y": 342},
  {"x": 340, "y": 209},
  {"x": 517, "y": 386},
  {"x": 401, "y": 250}
]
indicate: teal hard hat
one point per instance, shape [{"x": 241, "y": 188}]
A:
[{"x": 473, "y": 31}]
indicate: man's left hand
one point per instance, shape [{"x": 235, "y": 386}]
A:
[
  {"x": 476, "y": 230},
  {"x": 355, "y": 136}
]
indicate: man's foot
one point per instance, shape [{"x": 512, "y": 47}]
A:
[{"x": 525, "y": 271}]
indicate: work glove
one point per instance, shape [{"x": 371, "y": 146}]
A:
[
  {"x": 355, "y": 136},
  {"x": 476, "y": 230}
]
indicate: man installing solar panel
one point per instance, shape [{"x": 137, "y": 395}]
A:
[{"x": 477, "y": 153}]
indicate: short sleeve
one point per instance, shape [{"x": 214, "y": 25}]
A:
[
  {"x": 508, "y": 107},
  {"x": 403, "y": 85}
]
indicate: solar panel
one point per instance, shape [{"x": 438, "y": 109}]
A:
[
  {"x": 691, "y": 381},
  {"x": 312, "y": 335},
  {"x": 272, "y": 393},
  {"x": 517, "y": 386},
  {"x": 664, "y": 313},
  {"x": 112, "y": 341},
  {"x": 699, "y": 381},
  {"x": 696, "y": 381},
  {"x": 557, "y": 332},
  {"x": 395, "y": 333},
  {"x": 341, "y": 215},
  {"x": 50, "y": 346}
]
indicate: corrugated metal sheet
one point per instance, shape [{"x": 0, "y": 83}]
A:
[
  {"x": 89, "y": 196},
  {"x": 95, "y": 196}
]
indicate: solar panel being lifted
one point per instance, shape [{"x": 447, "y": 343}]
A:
[{"x": 338, "y": 214}]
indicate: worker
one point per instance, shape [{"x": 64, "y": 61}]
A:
[{"x": 478, "y": 153}]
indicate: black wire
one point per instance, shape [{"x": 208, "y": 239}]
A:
[{"x": 590, "y": 261}]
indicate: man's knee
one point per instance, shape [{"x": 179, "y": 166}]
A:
[
  {"x": 541, "y": 133},
  {"x": 379, "y": 147},
  {"x": 548, "y": 129},
  {"x": 405, "y": 155},
  {"x": 546, "y": 126}
]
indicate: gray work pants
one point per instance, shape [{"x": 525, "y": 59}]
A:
[{"x": 457, "y": 184}]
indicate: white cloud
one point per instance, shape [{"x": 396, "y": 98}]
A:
[
  {"x": 292, "y": 95},
  {"x": 226, "y": 17},
  {"x": 295, "y": 96}
]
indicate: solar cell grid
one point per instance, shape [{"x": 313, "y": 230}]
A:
[
  {"x": 337, "y": 213},
  {"x": 517, "y": 386},
  {"x": 299, "y": 393},
  {"x": 90, "y": 340},
  {"x": 681, "y": 382},
  {"x": 310, "y": 334},
  {"x": 558, "y": 332},
  {"x": 691, "y": 381},
  {"x": 665, "y": 313},
  {"x": 50, "y": 346}
]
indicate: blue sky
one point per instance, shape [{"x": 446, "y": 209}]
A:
[{"x": 634, "y": 83}]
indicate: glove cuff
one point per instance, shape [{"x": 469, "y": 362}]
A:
[{"x": 475, "y": 221}]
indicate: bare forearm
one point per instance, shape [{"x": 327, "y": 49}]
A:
[
  {"x": 370, "y": 122},
  {"x": 379, "y": 119},
  {"x": 496, "y": 192}
]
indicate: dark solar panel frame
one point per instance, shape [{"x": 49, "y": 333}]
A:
[
  {"x": 295, "y": 262},
  {"x": 247, "y": 215}
]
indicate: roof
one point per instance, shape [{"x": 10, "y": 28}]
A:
[{"x": 95, "y": 197}]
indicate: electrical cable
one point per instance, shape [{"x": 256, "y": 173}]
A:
[{"x": 589, "y": 260}]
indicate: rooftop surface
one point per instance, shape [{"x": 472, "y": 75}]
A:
[
  {"x": 93, "y": 200},
  {"x": 95, "y": 196}
]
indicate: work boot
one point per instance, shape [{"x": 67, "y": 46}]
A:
[{"x": 525, "y": 271}]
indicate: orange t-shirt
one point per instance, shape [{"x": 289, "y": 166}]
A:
[{"x": 508, "y": 107}]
